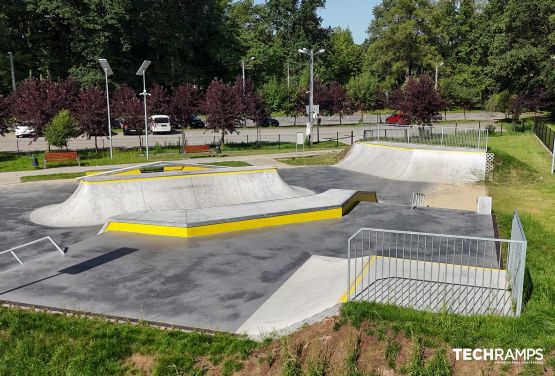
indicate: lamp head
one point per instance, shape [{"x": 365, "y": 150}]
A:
[
  {"x": 143, "y": 68},
  {"x": 105, "y": 66}
]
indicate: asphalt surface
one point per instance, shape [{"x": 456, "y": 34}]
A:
[{"x": 214, "y": 282}]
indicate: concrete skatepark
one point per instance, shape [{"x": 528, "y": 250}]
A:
[{"x": 281, "y": 238}]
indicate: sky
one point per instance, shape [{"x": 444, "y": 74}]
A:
[{"x": 352, "y": 14}]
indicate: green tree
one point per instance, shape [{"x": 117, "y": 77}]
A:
[
  {"x": 344, "y": 57},
  {"x": 60, "y": 129},
  {"x": 464, "y": 88},
  {"x": 364, "y": 93}
]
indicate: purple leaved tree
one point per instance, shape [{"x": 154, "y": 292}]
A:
[
  {"x": 89, "y": 112},
  {"x": 185, "y": 103},
  {"x": 224, "y": 108}
]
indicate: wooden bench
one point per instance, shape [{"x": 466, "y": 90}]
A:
[
  {"x": 190, "y": 149},
  {"x": 61, "y": 156}
]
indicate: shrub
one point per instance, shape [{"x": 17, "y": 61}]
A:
[{"x": 60, "y": 129}]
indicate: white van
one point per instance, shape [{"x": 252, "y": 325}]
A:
[{"x": 160, "y": 124}]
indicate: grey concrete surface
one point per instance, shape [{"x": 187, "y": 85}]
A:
[
  {"x": 322, "y": 178},
  {"x": 215, "y": 282}
]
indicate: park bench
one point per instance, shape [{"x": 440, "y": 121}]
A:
[
  {"x": 61, "y": 156},
  {"x": 190, "y": 149}
]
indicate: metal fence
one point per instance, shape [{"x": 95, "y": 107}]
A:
[
  {"x": 438, "y": 272},
  {"x": 545, "y": 133},
  {"x": 459, "y": 137}
]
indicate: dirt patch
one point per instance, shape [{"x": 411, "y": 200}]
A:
[
  {"x": 140, "y": 364},
  {"x": 457, "y": 196}
]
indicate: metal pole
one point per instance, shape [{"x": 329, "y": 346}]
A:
[
  {"x": 435, "y": 85},
  {"x": 146, "y": 121},
  {"x": 553, "y": 157},
  {"x": 243, "y": 74},
  {"x": 288, "y": 77},
  {"x": 13, "y": 72},
  {"x": 108, "y": 107},
  {"x": 311, "y": 95}
]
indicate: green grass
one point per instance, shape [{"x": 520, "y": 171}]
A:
[
  {"x": 68, "y": 175},
  {"x": 521, "y": 181},
  {"x": 46, "y": 344},
  {"x": 22, "y": 162},
  {"x": 320, "y": 159}
]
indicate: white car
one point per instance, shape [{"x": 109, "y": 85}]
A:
[
  {"x": 160, "y": 124},
  {"x": 24, "y": 131}
]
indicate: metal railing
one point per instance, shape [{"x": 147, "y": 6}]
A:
[
  {"x": 417, "y": 199},
  {"x": 11, "y": 250},
  {"x": 438, "y": 272},
  {"x": 458, "y": 137}
]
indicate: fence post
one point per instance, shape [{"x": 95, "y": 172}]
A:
[
  {"x": 247, "y": 139},
  {"x": 351, "y": 137},
  {"x": 378, "y": 132},
  {"x": 279, "y": 141},
  {"x": 442, "y": 136},
  {"x": 17, "y": 143},
  {"x": 337, "y": 140}
]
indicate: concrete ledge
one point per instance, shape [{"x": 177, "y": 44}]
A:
[{"x": 332, "y": 204}]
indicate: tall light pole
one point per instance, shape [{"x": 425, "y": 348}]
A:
[
  {"x": 108, "y": 72},
  {"x": 13, "y": 72},
  {"x": 142, "y": 72},
  {"x": 437, "y": 69},
  {"x": 243, "y": 71},
  {"x": 310, "y": 53}
]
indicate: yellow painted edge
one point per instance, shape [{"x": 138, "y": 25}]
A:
[
  {"x": 185, "y": 168},
  {"x": 358, "y": 279},
  {"x": 371, "y": 261},
  {"x": 178, "y": 176},
  {"x": 128, "y": 172},
  {"x": 219, "y": 228},
  {"x": 406, "y": 148}
]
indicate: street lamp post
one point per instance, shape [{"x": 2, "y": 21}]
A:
[
  {"x": 243, "y": 72},
  {"x": 437, "y": 69},
  {"x": 310, "y": 53},
  {"x": 107, "y": 72},
  {"x": 142, "y": 72},
  {"x": 13, "y": 72}
]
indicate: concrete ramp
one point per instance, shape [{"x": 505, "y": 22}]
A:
[
  {"x": 416, "y": 162},
  {"x": 100, "y": 197}
]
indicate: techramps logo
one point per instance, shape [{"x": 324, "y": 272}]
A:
[{"x": 502, "y": 356}]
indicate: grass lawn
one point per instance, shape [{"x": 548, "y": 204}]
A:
[
  {"x": 22, "y": 162},
  {"x": 321, "y": 159}
]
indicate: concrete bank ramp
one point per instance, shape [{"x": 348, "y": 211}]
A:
[
  {"x": 423, "y": 163},
  {"x": 98, "y": 198}
]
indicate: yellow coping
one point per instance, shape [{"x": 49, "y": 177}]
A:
[
  {"x": 372, "y": 259},
  {"x": 185, "y": 168},
  {"x": 219, "y": 228},
  {"x": 128, "y": 172},
  {"x": 178, "y": 176},
  {"x": 407, "y": 148}
]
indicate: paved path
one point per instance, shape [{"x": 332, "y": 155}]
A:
[{"x": 254, "y": 160}]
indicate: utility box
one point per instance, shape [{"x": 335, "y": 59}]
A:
[{"x": 484, "y": 205}]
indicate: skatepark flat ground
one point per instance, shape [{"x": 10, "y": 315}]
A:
[{"x": 216, "y": 282}]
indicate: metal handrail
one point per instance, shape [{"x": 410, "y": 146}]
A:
[{"x": 11, "y": 250}]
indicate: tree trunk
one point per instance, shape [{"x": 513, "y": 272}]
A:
[
  {"x": 340, "y": 118},
  {"x": 295, "y": 120},
  {"x": 464, "y": 114},
  {"x": 96, "y": 145}
]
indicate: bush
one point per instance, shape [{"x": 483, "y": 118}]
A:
[
  {"x": 60, "y": 129},
  {"x": 491, "y": 129}
]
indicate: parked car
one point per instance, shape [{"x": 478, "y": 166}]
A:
[
  {"x": 437, "y": 117},
  {"x": 128, "y": 130},
  {"x": 159, "y": 124},
  {"x": 23, "y": 130},
  {"x": 398, "y": 119},
  {"x": 197, "y": 123},
  {"x": 269, "y": 122}
]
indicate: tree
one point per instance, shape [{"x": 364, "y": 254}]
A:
[
  {"x": 339, "y": 102},
  {"x": 364, "y": 92},
  {"x": 344, "y": 57},
  {"x": 5, "y": 114},
  {"x": 127, "y": 106},
  {"x": 60, "y": 129},
  {"x": 224, "y": 108},
  {"x": 419, "y": 99},
  {"x": 90, "y": 113},
  {"x": 254, "y": 106},
  {"x": 159, "y": 100},
  {"x": 185, "y": 103},
  {"x": 37, "y": 102},
  {"x": 463, "y": 89}
]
